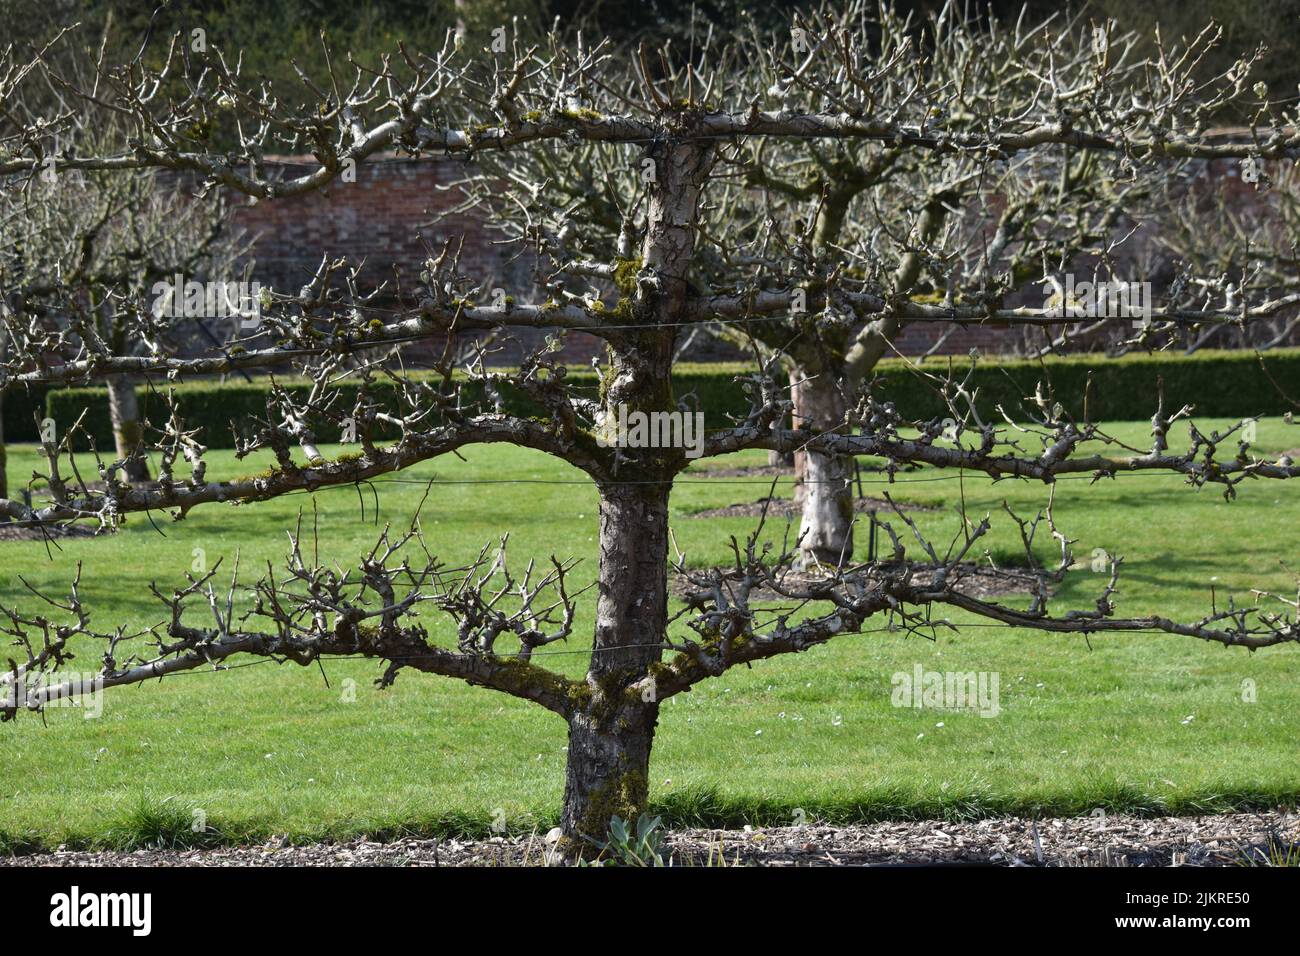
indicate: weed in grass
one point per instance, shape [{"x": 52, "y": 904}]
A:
[{"x": 166, "y": 823}]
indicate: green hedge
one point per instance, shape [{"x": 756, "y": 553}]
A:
[
  {"x": 1218, "y": 384},
  {"x": 212, "y": 407},
  {"x": 20, "y": 413},
  {"x": 1222, "y": 384}
]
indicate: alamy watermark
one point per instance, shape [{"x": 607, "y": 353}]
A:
[
  {"x": 179, "y": 298},
  {"x": 637, "y": 429},
  {"x": 1098, "y": 300},
  {"x": 73, "y": 909},
  {"x": 36, "y": 691},
  {"x": 947, "y": 690}
]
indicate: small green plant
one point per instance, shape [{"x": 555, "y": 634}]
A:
[
  {"x": 623, "y": 848},
  {"x": 717, "y": 856},
  {"x": 1276, "y": 852}
]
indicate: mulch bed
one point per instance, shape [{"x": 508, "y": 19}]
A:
[
  {"x": 12, "y": 532},
  {"x": 751, "y": 471},
  {"x": 1227, "y": 840},
  {"x": 787, "y": 508},
  {"x": 1110, "y": 840},
  {"x": 765, "y": 471},
  {"x": 973, "y": 580}
]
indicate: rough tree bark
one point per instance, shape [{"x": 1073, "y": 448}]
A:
[
  {"x": 823, "y": 483},
  {"x": 611, "y": 733},
  {"x": 128, "y": 436},
  {"x": 612, "y": 729},
  {"x": 4, "y": 473}
]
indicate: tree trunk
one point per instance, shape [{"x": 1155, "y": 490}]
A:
[
  {"x": 4, "y": 474},
  {"x": 611, "y": 731},
  {"x": 128, "y": 436},
  {"x": 785, "y": 459},
  {"x": 610, "y": 737},
  {"x": 608, "y": 773},
  {"x": 823, "y": 483}
]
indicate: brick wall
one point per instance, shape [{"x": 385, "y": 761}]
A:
[{"x": 387, "y": 216}]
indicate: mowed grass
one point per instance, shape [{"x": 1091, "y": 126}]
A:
[{"x": 1149, "y": 723}]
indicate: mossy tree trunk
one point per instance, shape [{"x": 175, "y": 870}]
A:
[
  {"x": 611, "y": 732},
  {"x": 611, "y": 735},
  {"x": 608, "y": 771}
]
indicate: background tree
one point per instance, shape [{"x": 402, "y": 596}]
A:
[
  {"x": 1228, "y": 253},
  {"x": 684, "y": 125},
  {"x": 74, "y": 240},
  {"x": 69, "y": 241},
  {"x": 954, "y": 231}
]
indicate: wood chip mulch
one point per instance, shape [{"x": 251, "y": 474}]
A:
[
  {"x": 1222, "y": 840},
  {"x": 1113, "y": 840}
]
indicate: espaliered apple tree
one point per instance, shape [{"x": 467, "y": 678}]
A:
[{"x": 659, "y": 241}]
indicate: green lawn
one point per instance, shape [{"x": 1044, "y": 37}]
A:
[{"x": 1133, "y": 722}]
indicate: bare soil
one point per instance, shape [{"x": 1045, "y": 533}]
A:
[
  {"x": 786, "y": 508},
  {"x": 1101, "y": 840},
  {"x": 750, "y": 471},
  {"x": 974, "y": 580},
  {"x": 18, "y": 532}
]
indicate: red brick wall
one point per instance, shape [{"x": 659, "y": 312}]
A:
[{"x": 387, "y": 217}]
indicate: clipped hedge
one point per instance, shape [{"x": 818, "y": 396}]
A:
[
  {"x": 1221, "y": 384},
  {"x": 23, "y": 407}
]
